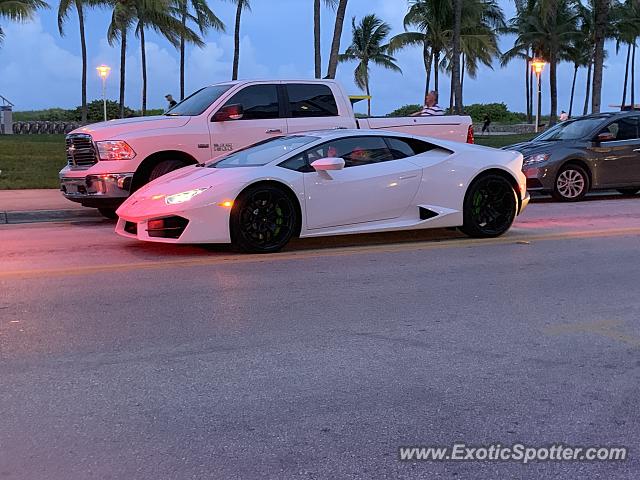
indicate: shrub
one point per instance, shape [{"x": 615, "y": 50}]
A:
[
  {"x": 405, "y": 110},
  {"x": 498, "y": 113}
]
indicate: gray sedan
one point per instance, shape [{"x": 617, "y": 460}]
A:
[{"x": 595, "y": 152}]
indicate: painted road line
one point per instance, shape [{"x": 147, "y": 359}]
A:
[{"x": 318, "y": 253}]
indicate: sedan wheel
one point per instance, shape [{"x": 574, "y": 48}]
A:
[
  {"x": 490, "y": 207},
  {"x": 263, "y": 219},
  {"x": 572, "y": 184}
]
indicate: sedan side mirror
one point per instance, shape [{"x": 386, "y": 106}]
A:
[
  {"x": 605, "y": 137},
  {"x": 329, "y": 163},
  {"x": 228, "y": 112}
]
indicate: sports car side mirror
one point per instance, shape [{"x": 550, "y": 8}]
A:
[
  {"x": 229, "y": 112},
  {"x": 329, "y": 163},
  {"x": 605, "y": 137}
]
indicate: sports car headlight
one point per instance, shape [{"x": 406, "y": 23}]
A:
[
  {"x": 537, "y": 158},
  {"x": 115, "y": 150},
  {"x": 183, "y": 196}
]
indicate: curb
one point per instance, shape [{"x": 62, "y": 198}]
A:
[{"x": 38, "y": 216}]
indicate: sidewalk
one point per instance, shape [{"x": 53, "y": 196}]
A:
[{"x": 41, "y": 205}]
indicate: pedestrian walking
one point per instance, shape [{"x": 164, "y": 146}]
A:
[
  {"x": 172, "y": 102},
  {"x": 486, "y": 124}
]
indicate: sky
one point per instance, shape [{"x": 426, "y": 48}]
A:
[{"x": 41, "y": 69}]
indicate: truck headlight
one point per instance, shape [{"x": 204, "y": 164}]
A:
[
  {"x": 537, "y": 158},
  {"x": 183, "y": 196},
  {"x": 115, "y": 150}
]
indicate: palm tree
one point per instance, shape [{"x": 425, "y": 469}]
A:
[
  {"x": 316, "y": 33},
  {"x": 63, "y": 12},
  {"x": 166, "y": 23},
  {"x": 550, "y": 35},
  {"x": 19, "y": 10},
  {"x": 431, "y": 19},
  {"x": 335, "y": 43},
  {"x": 367, "y": 46},
  {"x": 456, "y": 87},
  {"x": 626, "y": 17},
  {"x": 122, "y": 18},
  {"x": 199, "y": 13},
  {"x": 601, "y": 13},
  {"x": 579, "y": 53},
  {"x": 240, "y": 6}
]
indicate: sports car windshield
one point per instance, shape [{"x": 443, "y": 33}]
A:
[
  {"x": 571, "y": 130},
  {"x": 198, "y": 102},
  {"x": 264, "y": 152}
]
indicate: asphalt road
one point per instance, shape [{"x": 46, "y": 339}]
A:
[{"x": 124, "y": 360}]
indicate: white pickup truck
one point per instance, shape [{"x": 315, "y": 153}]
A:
[{"x": 108, "y": 161}]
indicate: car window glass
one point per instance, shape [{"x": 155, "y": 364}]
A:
[
  {"x": 199, "y": 101},
  {"x": 259, "y": 102},
  {"x": 623, "y": 129},
  {"x": 355, "y": 151},
  {"x": 298, "y": 163},
  {"x": 311, "y": 100},
  {"x": 263, "y": 152}
]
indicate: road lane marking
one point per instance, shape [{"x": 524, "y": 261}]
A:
[
  {"x": 604, "y": 328},
  {"x": 318, "y": 252}
]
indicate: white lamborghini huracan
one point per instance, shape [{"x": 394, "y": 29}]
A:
[{"x": 330, "y": 183}]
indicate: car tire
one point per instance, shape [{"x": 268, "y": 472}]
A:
[
  {"x": 572, "y": 183},
  {"x": 628, "y": 191},
  {"x": 109, "y": 213},
  {"x": 165, "y": 167},
  {"x": 263, "y": 219},
  {"x": 490, "y": 207}
]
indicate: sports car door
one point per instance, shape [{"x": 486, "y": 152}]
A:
[{"x": 372, "y": 186}]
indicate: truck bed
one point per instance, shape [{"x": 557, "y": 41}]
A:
[{"x": 445, "y": 127}]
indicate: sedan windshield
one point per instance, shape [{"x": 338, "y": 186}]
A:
[
  {"x": 264, "y": 152},
  {"x": 571, "y": 130},
  {"x": 198, "y": 102}
]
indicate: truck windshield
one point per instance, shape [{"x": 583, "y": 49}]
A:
[
  {"x": 264, "y": 152},
  {"x": 198, "y": 102},
  {"x": 571, "y": 130}
]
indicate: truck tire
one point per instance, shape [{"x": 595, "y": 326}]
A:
[
  {"x": 165, "y": 167},
  {"x": 109, "y": 213}
]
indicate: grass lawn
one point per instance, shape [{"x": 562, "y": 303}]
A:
[
  {"x": 498, "y": 141},
  {"x": 31, "y": 161}
]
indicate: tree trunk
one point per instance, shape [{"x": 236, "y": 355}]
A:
[
  {"x": 335, "y": 44},
  {"x": 182, "y": 48},
  {"x": 455, "y": 70},
  {"x": 462, "y": 83},
  {"x": 532, "y": 87},
  {"x": 316, "y": 38},
  {"x": 452, "y": 89},
  {"x": 368, "y": 99},
  {"x": 427, "y": 56},
  {"x": 553, "y": 87},
  {"x": 527, "y": 78},
  {"x": 123, "y": 61},
  {"x": 585, "y": 110},
  {"x": 83, "y": 46},
  {"x": 601, "y": 8},
  {"x": 573, "y": 88},
  {"x": 633, "y": 77},
  {"x": 236, "y": 40},
  {"x": 143, "y": 53},
  {"x": 626, "y": 79},
  {"x": 436, "y": 69}
]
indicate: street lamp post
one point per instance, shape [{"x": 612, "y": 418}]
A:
[
  {"x": 103, "y": 72},
  {"x": 538, "y": 66}
]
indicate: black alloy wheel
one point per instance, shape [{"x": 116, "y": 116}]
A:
[
  {"x": 263, "y": 219},
  {"x": 490, "y": 207}
]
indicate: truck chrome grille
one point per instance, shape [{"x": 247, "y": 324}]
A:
[{"x": 80, "y": 150}]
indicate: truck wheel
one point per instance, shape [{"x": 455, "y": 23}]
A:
[
  {"x": 109, "y": 213},
  {"x": 165, "y": 167}
]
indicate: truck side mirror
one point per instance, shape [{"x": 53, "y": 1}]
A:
[{"x": 228, "y": 112}]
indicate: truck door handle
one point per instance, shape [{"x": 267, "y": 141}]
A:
[
  {"x": 407, "y": 177},
  {"x": 273, "y": 130}
]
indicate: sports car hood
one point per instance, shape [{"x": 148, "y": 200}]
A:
[{"x": 113, "y": 128}]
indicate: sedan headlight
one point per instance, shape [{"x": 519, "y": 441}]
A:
[
  {"x": 115, "y": 150},
  {"x": 537, "y": 158},
  {"x": 183, "y": 196}
]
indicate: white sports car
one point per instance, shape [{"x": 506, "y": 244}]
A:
[{"x": 330, "y": 183}]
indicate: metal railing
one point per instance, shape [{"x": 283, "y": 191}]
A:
[{"x": 44, "y": 127}]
